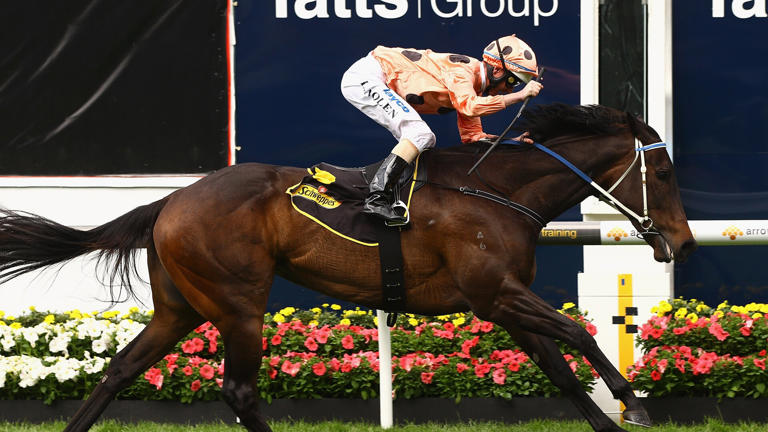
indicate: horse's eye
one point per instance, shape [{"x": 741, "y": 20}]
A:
[{"x": 662, "y": 174}]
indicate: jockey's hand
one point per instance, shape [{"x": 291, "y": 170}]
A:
[
  {"x": 531, "y": 89},
  {"x": 525, "y": 138}
]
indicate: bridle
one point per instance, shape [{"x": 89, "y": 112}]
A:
[{"x": 646, "y": 223}]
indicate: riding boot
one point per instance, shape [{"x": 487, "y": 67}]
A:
[{"x": 381, "y": 190}]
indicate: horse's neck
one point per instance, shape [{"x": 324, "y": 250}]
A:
[{"x": 546, "y": 185}]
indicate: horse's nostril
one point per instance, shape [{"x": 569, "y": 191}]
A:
[{"x": 686, "y": 249}]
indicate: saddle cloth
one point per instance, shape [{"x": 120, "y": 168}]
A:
[{"x": 333, "y": 197}]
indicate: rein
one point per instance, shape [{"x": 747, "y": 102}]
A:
[{"x": 645, "y": 221}]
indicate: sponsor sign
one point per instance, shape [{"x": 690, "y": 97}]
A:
[{"x": 312, "y": 194}]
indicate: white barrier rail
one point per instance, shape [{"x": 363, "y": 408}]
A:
[{"x": 612, "y": 233}]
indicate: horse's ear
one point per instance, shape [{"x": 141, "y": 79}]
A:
[{"x": 633, "y": 123}]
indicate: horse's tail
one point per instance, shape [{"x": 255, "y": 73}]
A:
[{"x": 29, "y": 242}]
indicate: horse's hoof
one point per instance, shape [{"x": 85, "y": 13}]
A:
[{"x": 637, "y": 417}]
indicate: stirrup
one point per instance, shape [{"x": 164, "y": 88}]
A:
[{"x": 399, "y": 204}]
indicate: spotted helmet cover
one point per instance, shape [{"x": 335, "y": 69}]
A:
[{"x": 518, "y": 57}]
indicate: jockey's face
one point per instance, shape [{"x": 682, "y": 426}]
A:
[{"x": 507, "y": 86}]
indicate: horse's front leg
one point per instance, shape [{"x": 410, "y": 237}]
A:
[{"x": 525, "y": 315}]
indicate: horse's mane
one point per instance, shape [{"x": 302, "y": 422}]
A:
[{"x": 545, "y": 122}]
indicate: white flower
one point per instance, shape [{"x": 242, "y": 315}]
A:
[
  {"x": 31, "y": 370},
  {"x": 60, "y": 343},
  {"x": 94, "y": 365},
  {"x": 65, "y": 369},
  {"x": 30, "y": 334},
  {"x": 99, "y": 346},
  {"x": 8, "y": 342}
]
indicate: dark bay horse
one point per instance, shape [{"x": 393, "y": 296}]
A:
[{"x": 214, "y": 247}]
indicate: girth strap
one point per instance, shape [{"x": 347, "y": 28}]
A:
[{"x": 392, "y": 277}]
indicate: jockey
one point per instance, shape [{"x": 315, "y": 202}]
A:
[{"x": 394, "y": 85}]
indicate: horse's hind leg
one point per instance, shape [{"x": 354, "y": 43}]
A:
[
  {"x": 545, "y": 353},
  {"x": 173, "y": 319}
]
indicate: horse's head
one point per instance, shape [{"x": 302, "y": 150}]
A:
[{"x": 665, "y": 228}]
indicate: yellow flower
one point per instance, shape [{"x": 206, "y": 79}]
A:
[
  {"x": 2, "y": 323},
  {"x": 133, "y": 310},
  {"x": 278, "y": 318},
  {"x": 75, "y": 314},
  {"x": 316, "y": 310},
  {"x": 287, "y": 311},
  {"x": 693, "y": 317},
  {"x": 413, "y": 322},
  {"x": 49, "y": 319},
  {"x": 151, "y": 312},
  {"x": 701, "y": 307},
  {"x": 16, "y": 325},
  {"x": 32, "y": 308},
  {"x": 757, "y": 315},
  {"x": 718, "y": 314},
  {"x": 10, "y": 318},
  {"x": 664, "y": 307},
  {"x": 682, "y": 312},
  {"x": 125, "y": 317},
  {"x": 325, "y": 305},
  {"x": 443, "y": 317},
  {"x": 723, "y": 305},
  {"x": 763, "y": 309},
  {"x": 2, "y": 314},
  {"x": 458, "y": 321},
  {"x": 314, "y": 323},
  {"x": 335, "y": 307},
  {"x": 568, "y": 305},
  {"x": 345, "y": 322},
  {"x": 654, "y": 309},
  {"x": 376, "y": 321}
]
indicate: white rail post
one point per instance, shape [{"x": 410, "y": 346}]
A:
[{"x": 385, "y": 371}]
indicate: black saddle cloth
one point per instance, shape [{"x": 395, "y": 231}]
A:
[{"x": 333, "y": 197}]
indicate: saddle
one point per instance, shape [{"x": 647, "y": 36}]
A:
[{"x": 333, "y": 197}]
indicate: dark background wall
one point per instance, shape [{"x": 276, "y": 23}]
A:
[{"x": 721, "y": 142}]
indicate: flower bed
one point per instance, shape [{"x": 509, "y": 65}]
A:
[
  {"x": 322, "y": 352},
  {"x": 691, "y": 349}
]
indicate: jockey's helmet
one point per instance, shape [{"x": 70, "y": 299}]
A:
[{"x": 514, "y": 57}]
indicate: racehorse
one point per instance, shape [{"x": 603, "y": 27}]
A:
[{"x": 214, "y": 247}]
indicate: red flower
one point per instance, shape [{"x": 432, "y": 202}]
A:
[
  {"x": 195, "y": 386},
  {"x": 486, "y": 326},
  {"x": 220, "y": 369},
  {"x": 426, "y": 377},
  {"x": 264, "y": 343},
  {"x": 449, "y": 326},
  {"x": 759, "y": 363},
  {"x": 348, "y": 342},
  {"x": 680, "y": 330},
  {"x": 193, "y": 345},
  {"x": 276, "y": 339},
  {"x": 461, "y": 367},
  {"x": 482, "y": 369},
  {"x": 188, "y": 370},
  {"x": 656, "y": 332},
  {"x": 761, "y": 353},
  {"x": 220, "y": 382},
  {"x": 203, "y": 327},
  {"x": 290, "y": 368},
  {"x": 207, "y": 371},
  {"x": 321, "y": 335},
  {"x": 310, "y": 344},
  {"x": 319, "y": 368},
  {"x": 746, "y": 331},
  {"x": 655, "y": 375},
  {"x": 272, "y": 373},
  {"x": 155, "y": 377},
  {"x": 591, "y": 329},
  {"x": 513, "y": 366},
  {"x": 468, "y": 344}
]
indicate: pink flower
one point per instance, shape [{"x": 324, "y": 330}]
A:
[
  {"x": 348, "y": 342},
  {"x": 591, "y": 329},
  {"x": 319, "y": 369},
  {"x": 680, "y": 330},
  {"x": 573, "y": 366},
  {"x": 220, "y": 369},
  {"x": 272, "y": 373},
  {"x": 499, "y": 376},
  {"x": 220, "y": 382},
  {"x": 188, "y": 370},
  {"x": 717, "y": 331},
  {"x": 746, "y": 331},
  {"x": 426, "y": 377},
  {"x": 155, "y": 377},
  {"x": 486, "y": 326},
  {"x": 468, "y": 344},
  {"x": 321, "y": 335},
  {"x": 290, "y": 368},
  {"x": 203, "y": 327},
  {"x": 461, "y": 367},
  {"x": 195, "y": 386},
  {"x": 662, "y": 365},
  {"x": 264, "y": 345},
  {"x": 311, "y": 344},
  {"x": 680, "y": 364},
  {"x": 207, "y": 371},
  {"x": 193, "y": 345},
  {"x": 277, "y": 339},
  {"x": 513, "y": 366}
]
